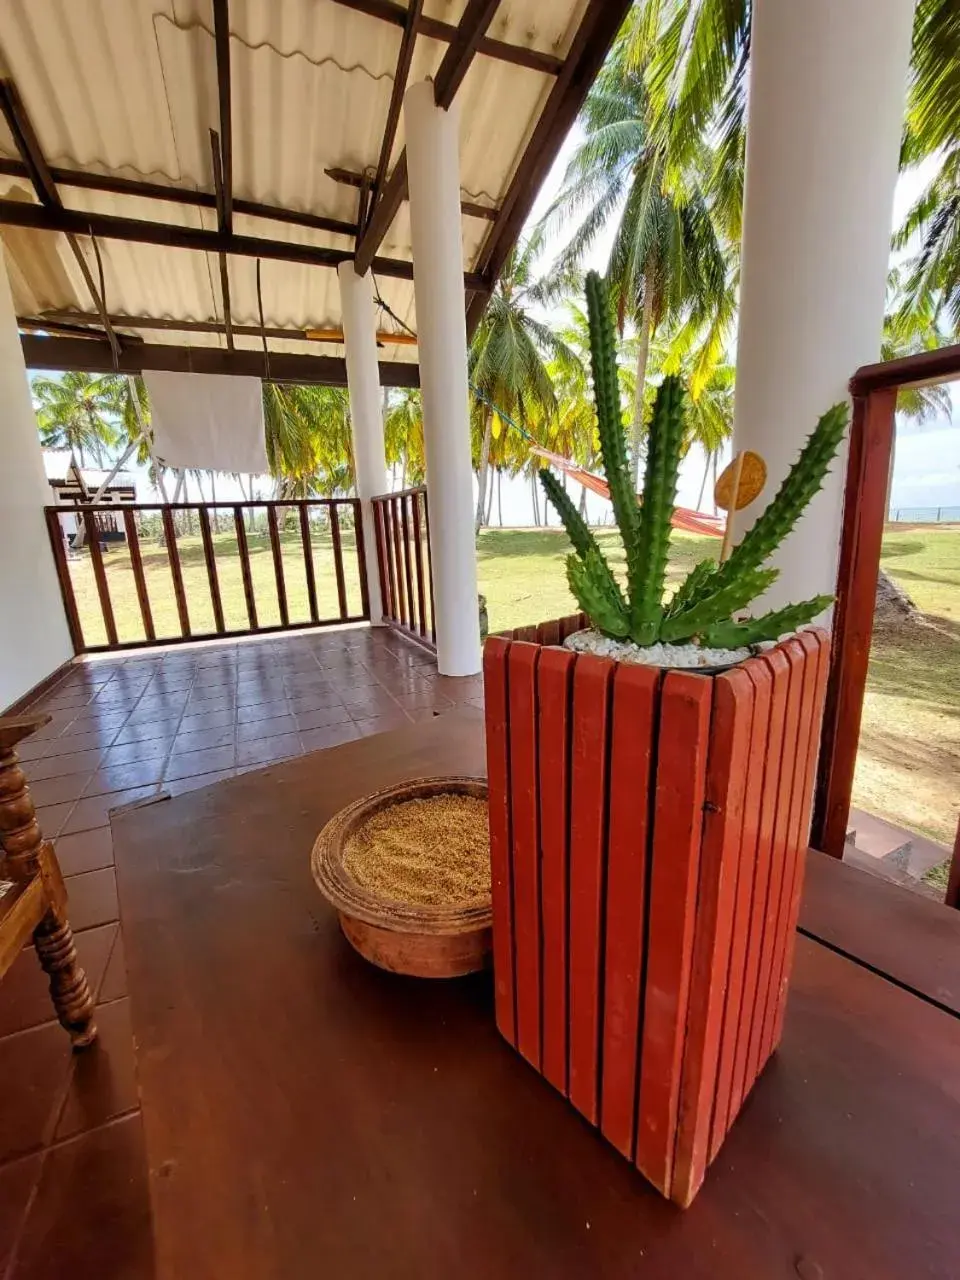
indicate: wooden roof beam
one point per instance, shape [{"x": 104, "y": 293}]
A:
[
  {"x": 436, "y": 29},
  {"x": 16, "y": 213},
  {"x": 595, "y": 35},
  {"x": 90, "y": 356},
  {"x": 404, "y": 59},
  {"x": 177, "y": 195},
  {"x": 31, "y": 153},
  {"x": 477, "y": 16},
  {"x": 350, "y": 178},
  {"x": 79, "y": 324}
]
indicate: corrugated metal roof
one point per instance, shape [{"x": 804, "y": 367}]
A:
[{"x": 128, "y": 88}]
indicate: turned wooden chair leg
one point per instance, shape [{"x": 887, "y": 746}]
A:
[
  {"x": 28, "y": 857},
  {"x": 69, "y": 991}
]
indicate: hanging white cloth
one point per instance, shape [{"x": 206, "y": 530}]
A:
[{"x": 213, "y": 422}]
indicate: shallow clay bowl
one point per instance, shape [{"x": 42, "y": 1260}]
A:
[{"x": 422, "y": 940}]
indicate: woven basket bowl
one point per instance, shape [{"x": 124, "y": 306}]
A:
[{"x": 424, "y": 941}]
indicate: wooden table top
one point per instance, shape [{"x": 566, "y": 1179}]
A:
[{"x": 307, "y": 1115}]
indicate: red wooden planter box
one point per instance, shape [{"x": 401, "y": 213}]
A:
[{"x": 647, "y": 832}]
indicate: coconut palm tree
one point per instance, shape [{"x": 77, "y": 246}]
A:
[
  {"x": 307, "y": 437},
  {"x": 667, "y": 260},
  {"x": 510, "y": 350},
  {"x": 74, "y": 412},
  {"x": 403, "y": 435}
]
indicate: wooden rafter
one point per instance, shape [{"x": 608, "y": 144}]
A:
[
  {"x": 218, "y": 182},
  {"x": 91, "y": 356},
  {"x": 436, "y": 29},
  {"x": 596, "y": 33},
  {"x": 477, "y": 16},
  {"x": 350, "y": 178},
  {"x": 177, "y": 195},
  {"x": 404, "y": 58},
  {"x": 31, "y": 153},
  {"x": 17, "y": 213},
  {"x": 84, "y": 324}
]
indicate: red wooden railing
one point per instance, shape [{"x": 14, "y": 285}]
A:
[
  {"x": 874, "y": 389},
  {"x": 186, "y": 586},
  {"x": 402, "y": 523}
]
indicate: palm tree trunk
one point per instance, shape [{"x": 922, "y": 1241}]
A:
[
  {"x": 489, "y": 499},
  {"x": 583, "y": 502},
  {"x": 536, "y": 506},
  {"x": 716, "y": 454},
  {"x": 703, "y": 486},
  {"x": 643, "y": 356},
  {"x": 500, "y": 496},
  {"x": 893, "y": 463},
  {"x": 482, "y": 473},
  {"x": 213, "y": 501}
]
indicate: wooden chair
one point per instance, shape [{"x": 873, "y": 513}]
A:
[{"x": 33, "y": 898}]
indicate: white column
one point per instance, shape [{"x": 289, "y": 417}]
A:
[
  {"x": 34, "y": 639},
  {"x": 363, "y": 380},
  {"x": 433, "y": 164},
  {"x": 827, "y": 93}
]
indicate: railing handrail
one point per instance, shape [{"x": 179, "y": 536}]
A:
[
  {"x": 114, "y": 507},
  {"x": 400, "y": 493},
  {"x": 939, "y": 365}
]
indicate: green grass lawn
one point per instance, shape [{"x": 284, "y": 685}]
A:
[{"x": 910, "y": 744}]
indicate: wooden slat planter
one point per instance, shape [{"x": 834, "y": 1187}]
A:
[{"x": 646, "y": 833}]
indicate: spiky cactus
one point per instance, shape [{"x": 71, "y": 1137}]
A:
[{"x": 704, "y": 607}]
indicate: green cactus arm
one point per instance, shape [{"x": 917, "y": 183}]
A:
[
  {"x": 613, "y": 448},
  {"x": 648, "y": 576},
  {"x": 718, "y": 606},
  {"x": 580, "y": 534},
  {"x": 588, "y": 584},
  {"x": 693, "y": 586},
  {"x": 804, "y": 479},
  {"x": 770, "y": 626}
]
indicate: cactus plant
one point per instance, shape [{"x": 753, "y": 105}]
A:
[{"x": 706, "y": 606}]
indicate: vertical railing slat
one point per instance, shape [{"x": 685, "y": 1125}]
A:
[
  {"x": 307, "y": 542},
  {"x": 100, "y": 575},
  {"x": 385, "y": 602},
  {"x": 277, "y": 552},
  {"x": 338, "y": 559},
  {"x": 245, "y": 568},
  {"x": 55, "y": 530},
  {"x": 405, "y": 531},
  {"x": 361, "y": 559},
  {"x": 136, "y": 564},
  {"x": 173, "y": 556},
  {"x": 418, "y": 558},
  {"x": 211, "y": 560},
  {"x": 401, "y": 592},
  {"x": 387, "y": 516},
  {"x": 426, "y": 521}
]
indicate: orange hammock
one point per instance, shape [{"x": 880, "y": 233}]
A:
[{"x": 683, "y": 517}]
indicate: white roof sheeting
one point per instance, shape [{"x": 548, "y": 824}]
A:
[{"x": 128, "y": 88}]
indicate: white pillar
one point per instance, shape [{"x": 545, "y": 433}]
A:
[
  {"x": 827, "y": 93},
  {"x": 34, "y": 639},
  {"x": 433, "y": 165},
  {"x": 363, "y": 380}
]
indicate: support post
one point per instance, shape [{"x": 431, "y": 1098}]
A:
[
  {"x": 827, "y": 90},
  {"x": 366, "y": 419},
  {"x": 34, "y": 639},
  {"x": 434, "y": 181}
]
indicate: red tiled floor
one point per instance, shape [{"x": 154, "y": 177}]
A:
[
  {"x": 91, "y": 1214},
  {"x": 177, "y": 721},
  {"x": 85, "y": 851},
  {"x": 103, "y": 1085},
  {"x": 92, "y": 898}
]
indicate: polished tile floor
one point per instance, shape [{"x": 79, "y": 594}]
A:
[{"x": 73, "y": 1181}]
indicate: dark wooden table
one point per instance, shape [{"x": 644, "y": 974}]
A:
[{"x": 309, "y": 1116}]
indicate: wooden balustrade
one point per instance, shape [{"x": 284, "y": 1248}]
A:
[
  {"x": 148, "y": 581},
  {"x": 874, "y": 389},
  {"x": 402, "y": 524}
]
